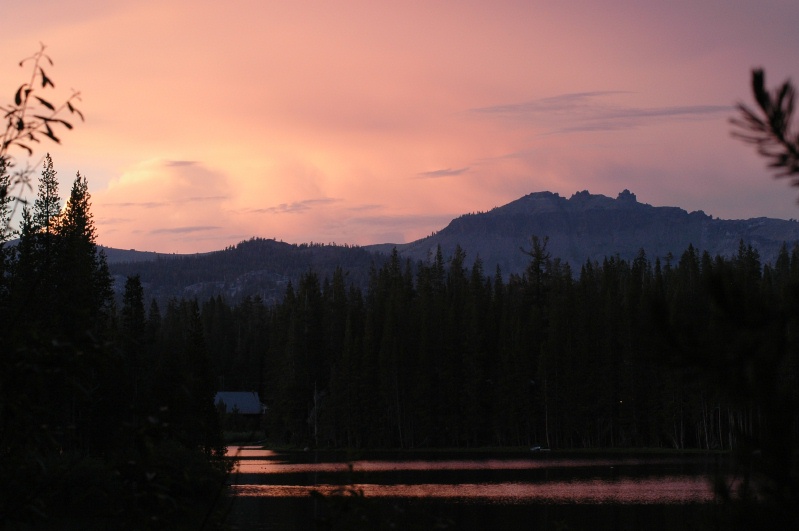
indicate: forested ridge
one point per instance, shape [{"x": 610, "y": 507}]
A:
[
  {"x": 439, "y": 354},
  {"x": 253, "y": 267}
]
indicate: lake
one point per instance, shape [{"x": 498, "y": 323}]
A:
[{"x": 470, "y": 490}]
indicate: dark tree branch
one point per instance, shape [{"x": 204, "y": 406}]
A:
[{"x": 769, "y": 126}]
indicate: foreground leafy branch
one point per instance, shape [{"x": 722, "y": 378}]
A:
[{"x": 29, "y": 118}]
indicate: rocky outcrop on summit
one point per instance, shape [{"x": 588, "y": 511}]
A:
[{"x": 592, "y": 227}]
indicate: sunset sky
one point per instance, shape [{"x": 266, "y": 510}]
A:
[{"x": 359, "y": 122}]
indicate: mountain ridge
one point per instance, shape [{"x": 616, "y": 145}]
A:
[
  {"x": 580, "y": 228},
  {"x": 593, "y": 226}
]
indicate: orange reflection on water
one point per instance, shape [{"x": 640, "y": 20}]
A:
[
  {"x": 662, "y": 490},
  {"x": 272, "y": 466},
  {"x": 246, "y": 452}
]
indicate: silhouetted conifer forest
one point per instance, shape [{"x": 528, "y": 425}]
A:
[{"x": 438, "y": 354}]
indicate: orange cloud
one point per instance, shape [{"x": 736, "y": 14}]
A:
[{"x": 183, "y": 204}]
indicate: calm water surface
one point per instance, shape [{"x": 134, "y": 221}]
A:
[{"x": 317, "y": 490}]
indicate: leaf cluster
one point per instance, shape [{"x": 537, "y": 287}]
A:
[{"x": 32, "y": 116}]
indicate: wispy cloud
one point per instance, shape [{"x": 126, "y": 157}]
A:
[
  {"x": 114, "y": 221},
  {"x": 200, "y": 199},
  {"x": 158, "y": 204},
  {"x": 587, "y": 111},
  {"x": 140, "y": 204},
  {"x": 365, "y": 207},
  {"x": 567, "y": 103},
  {"x": 435, "y": 174},
  {"x": 185, "y": 230},
  {"x": 296, "y": 207}
]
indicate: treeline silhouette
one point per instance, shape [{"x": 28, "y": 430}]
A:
[{"x": 438, "y": 354}]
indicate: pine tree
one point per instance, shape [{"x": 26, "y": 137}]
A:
[
  {"x": 153, "y": 327},
  {"x": 6, "y": 209},
  {"x": 83, "y": 282},
  {"x": 132, "y": 329},
  {"x": 35, "y": 268},
  {"x": 5, "y": 234},
  {"x": 47, "y": 206},
  {"x": 25, "y": 280}
]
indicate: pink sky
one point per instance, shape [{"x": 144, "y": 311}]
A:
[{"x": 210, "y": 122}]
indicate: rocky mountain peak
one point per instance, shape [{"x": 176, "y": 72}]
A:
[{"x": 590, "y": 226}]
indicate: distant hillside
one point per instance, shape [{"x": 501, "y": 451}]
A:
[
  {"x": 113, "y": 256},
  {"x": 591, "y": 227},
  {"x": 257, "y": 267}
]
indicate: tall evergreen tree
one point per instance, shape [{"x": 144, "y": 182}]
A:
[
  {"x": 6, "y": 202},
  {"x": 5, "y": 235},
  {"x": 23, "y": 273},
  {"x": 36, "y": 283},
  {"x": 132, "y": 330},
  {"x": 47, "y": 206},
  {"x": 83, "y": 282}
]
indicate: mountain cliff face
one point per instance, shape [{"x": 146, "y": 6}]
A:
[{"x": 591, "y": 227}]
